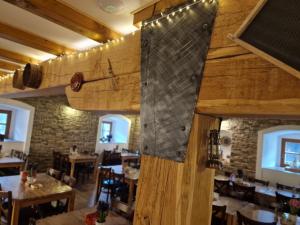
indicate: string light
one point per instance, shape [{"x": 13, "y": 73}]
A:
[{"x": 173, "y": 13}]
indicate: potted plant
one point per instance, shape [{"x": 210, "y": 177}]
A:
[
  {"x": 291, "y": 219},
  {"x": 102, "y": 210}
]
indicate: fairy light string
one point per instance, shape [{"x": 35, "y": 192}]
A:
[{"x": 154, "y": 23}]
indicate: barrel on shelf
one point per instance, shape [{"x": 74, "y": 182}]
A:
[
  {"x": 32, "y": 75},
  {"x": 18, "y": 80}
]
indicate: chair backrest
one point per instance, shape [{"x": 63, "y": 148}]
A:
[
  {"x": 219, "y": 215},
  {"x": 248, "y": 193},
  {"x": 242, "y": 220},
  {"x": 54, "y": 173},
  {"x": 65, "y": 163},
  {"x": 16, "y": 154},
  {"x": 68, "y": 180},
  {"x": 284, "y": 187},
  {"x": 6, "y": 198},
  {"x": 56, "y": 160},
  {"x": 115, "y": 158},
  {"x": 221, "y": 186},
  {"x": 106, "y": 157}
]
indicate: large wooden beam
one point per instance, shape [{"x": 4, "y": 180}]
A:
[
  {"x": 16, "y": 57},
  {"x": 31, "y": 40},
  {"x": 8, "y": 66},
  {"x": 178, "y": 193},
  {"x": 65, "y": 16},
  {"x": 154, "y": 9}
]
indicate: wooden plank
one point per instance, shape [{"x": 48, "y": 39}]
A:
[
  {"x": 178, "y": 193},
  {"x": 154, "y": 9},
  {"x": 248, "y": 86},
  {"x": 8, "y": 66},
  {"x": 65, "y": 16},
  {"x": 31, "y": 40},
  {"x": 16, "y": 57},
  {"x": 100, "y": 95}
]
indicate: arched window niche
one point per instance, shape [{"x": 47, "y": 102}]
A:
[
  {"x": 270, "y": 155},
  {"x": 113, "y": 131}
]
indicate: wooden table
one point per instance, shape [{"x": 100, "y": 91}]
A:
[
  {"x": 81, "y": 158},
  {"x": 24, "y": 196},
  {"x": 251, "y": 211},
  {"x": 130, "y": 180},
  {"x": 7, "y": 162},
  {"x": 78, "y": 218},
  {"x": 127, "y": 155}
]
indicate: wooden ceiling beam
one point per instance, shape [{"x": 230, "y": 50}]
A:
[
  {"x": 154, "y": 9},
  {"x": 16, "y": 57},
  {"x": 8, "y": 66},
  {"x": 65, "y": 16},
  {"x": 31, "y": 40}
]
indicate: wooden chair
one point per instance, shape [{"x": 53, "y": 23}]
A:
[
  {"x": 65, "y": 165},
  {"x": 221, "y": 187},
  {"x": 106, "y": 158},
  {"x": 120, "y": 189},
  {"x": 243, "y": 192},
  {"x": 242, "y": 220},
  {"x": 56, "y": 160},
  {"x": 104, "y": 182},
  {"x": 115, "y": 159},
  {"x": 54, "y": 173},
  {"x": 284, "y": 187},
  {"x": 283, "y": 202},
  {"x": 6, "y": 207},
  {"x": 218, "y": 215}
]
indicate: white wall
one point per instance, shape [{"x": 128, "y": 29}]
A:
[
  {"x": 21, "y": 126},
  {"x": 269, "y": 152},
  {"x": 120, "y": 132}
]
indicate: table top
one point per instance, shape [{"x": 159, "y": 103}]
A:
[
  {"x": 12, "y": 160},
  {"x": 129, "y": 154},
  {"x": 265, "y": 190},
  {"x": 20, "y": 191},
  {"x": 119, "y": 170},
  {"x": 78, "y": 218},
  {"x": 82, "y": 156}
]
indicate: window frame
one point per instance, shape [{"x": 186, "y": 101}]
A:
[
  {"x": 8, "y": 121},
  {"x": 110, "y": 126},
  {"x": 283, "y": 150}
]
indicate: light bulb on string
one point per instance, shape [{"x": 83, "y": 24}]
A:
[
  {"x": 173, "y": 13},
  {"x": 180, "y": 10},
  {"x": 122, "y": 38}
]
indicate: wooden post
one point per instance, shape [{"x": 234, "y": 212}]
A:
[{"x": 172, "y": 193}]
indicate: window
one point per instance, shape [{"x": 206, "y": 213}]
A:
[
  {"x": 106, "y": 132},
  {"x": 5, "y": 119},
  {"x": 290, "y": 151}
]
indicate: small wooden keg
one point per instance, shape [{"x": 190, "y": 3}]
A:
[
  {"x": 18, "y": 80},
  {"x": 32, "y": 76}
]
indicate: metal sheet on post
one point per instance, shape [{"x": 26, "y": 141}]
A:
[{"x": 173, "y": 56}]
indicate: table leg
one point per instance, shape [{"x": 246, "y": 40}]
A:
[
  {"x": 15, "y": 213},
  {"x": 130, "y": 195},
  {"x": 71, "y": 201},
  {"x": 72, "y": 169}
]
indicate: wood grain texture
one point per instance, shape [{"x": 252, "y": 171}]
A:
[
  {"x": 25, "y": 38},
  {"x": 154, "y": 9},
  {"x": 65, "y": 16},
  {"x": 9, "y": 66},
  {"x": 178, "y": 193},
  {"x": 16, "y": 57}
]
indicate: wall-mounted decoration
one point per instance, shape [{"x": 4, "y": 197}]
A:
[
  {"x": 18, "y": 80},
  {"x": 214, "y": 155},
  {"x": 77, "y": 81},
  {"x": 32, "y": 76},
  {"x": 174, "y": 49},
  {"x": 272, "y": 31}
]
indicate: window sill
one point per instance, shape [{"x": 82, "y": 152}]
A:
[{"x": 282, "y": 170}]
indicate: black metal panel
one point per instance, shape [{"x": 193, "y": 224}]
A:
[
  {"x": 173, "y": 57},
  {"x": 276, "y": 31}
]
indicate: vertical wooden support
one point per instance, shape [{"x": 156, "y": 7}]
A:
[{"x": 172, "y": 193}]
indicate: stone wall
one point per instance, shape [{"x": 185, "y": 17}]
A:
[
  {"x": 244, "y": 140},
  {"x": 57, "y": 127}
]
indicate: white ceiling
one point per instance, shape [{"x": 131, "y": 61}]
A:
[{"x": 121, "y": 21}]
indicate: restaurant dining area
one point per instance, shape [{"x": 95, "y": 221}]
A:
[{"x": 149, "y": 112}]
